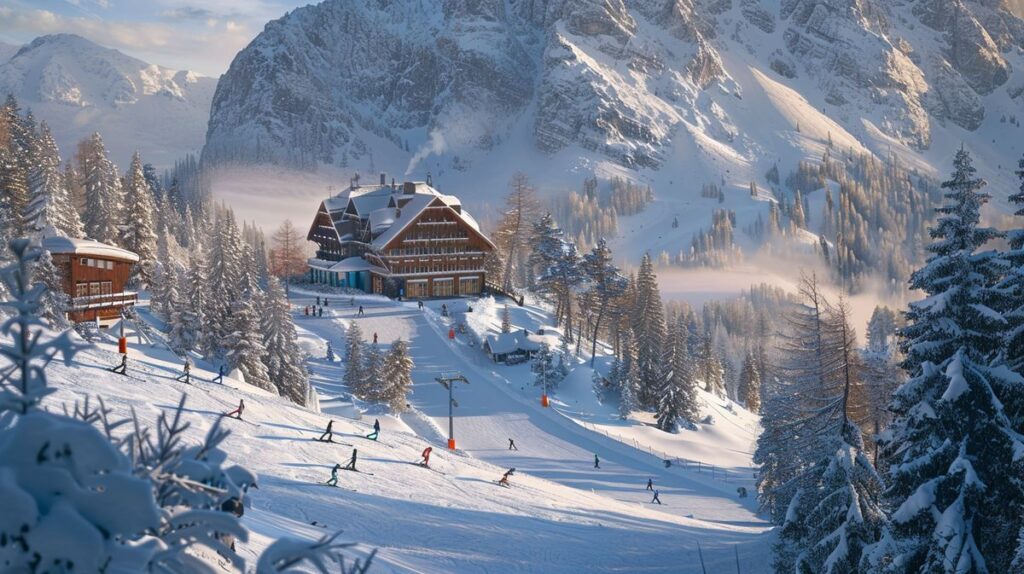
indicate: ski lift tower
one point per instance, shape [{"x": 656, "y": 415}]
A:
[{"x": 448, "y": 381}]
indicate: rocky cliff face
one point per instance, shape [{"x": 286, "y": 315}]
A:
[{"x": 331, "y": 83}]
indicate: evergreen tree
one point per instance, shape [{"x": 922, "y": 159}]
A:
[
  {"x": 50, "y": 205},
  {"x": 54, "y": 303},
  {"x": 185, "y": 321},
  {"x": 678, "y": 396},
  {"x": 506, "y": 320},
  {"x": 372, "y": 386},
  {"x": 354, "y": 372},
  {"x": 102, "y": 189},
  {"x": 560, "y": 279},
  {"x": 649, "y": 326},
  {"x": 750, "y": 384},
  {"x": 225, "y": 280},
  {"x": 628, "y": 378},
  {"x": 396, "y": 377},
  {"x": 16, "y": 155},
  {"x": 138, "y": 232},
  {"x": 244, "y": 344},
  {"x": 709, "y": 367},
  {"x": 329, "y": 355},
  {"x": 564, "y": 357},
  {"x": 606, "y": 284},
  {"x": 545, "y": 250},
  {"x": 955, "y": 469},
  {"x": 284, "y": 359},
  {"x": 546, "y": 374}
]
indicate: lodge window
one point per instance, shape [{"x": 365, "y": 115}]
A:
[
  {"x": 81, "y": 289},
  {"x": 94, "y": 288},
  {"x": 85, "y": 262},
  {"x": 106, "y": 287}
]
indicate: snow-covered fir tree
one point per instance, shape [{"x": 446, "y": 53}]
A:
[
  {"x": 545, "y": 250},
  {"x": 16, "y": 151},
  {"x": 955, "y": 482},
  {"x": 185, "y": 321},
  {"x": 546, "y": 374},
  {"x": 102, "y": 191},
  {"x": 396, "y": 377},
  {"x": 750, "y": 384},
  {"x": 373, "y": 365},
  {"x": 224, "y": 281},
  {"x": 605, "y": 284},
  {"x": 329, "y": 354},
  {"x": 243, "y": 347},
  {"x": 54, "y": 304},
  {"x": 628, "y": 379},
  {"x": 50, "y": 205},
  {"x": 649, "y": 328},
  {"x": 565, "y": 358},
  {"x": 709, "y": 367},
  {"x": 677, "y": 398},
  {"x": 506, "y": 320},
  {"x": 560, "y": 281},
  {"x": 354, "y": 357},
  {"x": 285, "y": 360}
]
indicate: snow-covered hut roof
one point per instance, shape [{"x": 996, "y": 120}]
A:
[
  {"x": 61, "y": 244},
  {"x": 504, "y": 343}
]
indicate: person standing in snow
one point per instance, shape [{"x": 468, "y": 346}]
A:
[
  {"x": 237, "y": 413},
  {"x": 333, "y": 481},
  {"x": 512, "y": 445},
  {"x": 317, "y": 299},
  {"x": 650, "y": 484},
  {"x": 655, "y": 499},
  {"x": 420, "y": 304},
  {"x": 220, "y": 375},
  {"x": 121, "y": 369},
  {"x": 376, "y": 430},
  {"x": 328, "y": 433},
  {"x": 360, "y": 313},
  {"x": 426, "y": 456},
  {"x": 352, "y": 461},
  {"x": 186, "y": 373},
  {"x": 320, "y": 312},
  {"x": 597, "y": 462},
  {"x": 504, "y": 477},
  {"x": 375, "y": 338},
  {"x": 326, "y": 302}
]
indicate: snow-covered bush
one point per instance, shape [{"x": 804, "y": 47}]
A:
[{"x": 82, "y": 492}]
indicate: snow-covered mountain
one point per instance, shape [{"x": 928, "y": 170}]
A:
[
  {"x": 6, "y": 51},
  {"x": 708, "y": 89},
  {"x": 79, "y": 87}
]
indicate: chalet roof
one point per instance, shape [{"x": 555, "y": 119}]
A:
[
  {"x": 345, "y": 265},
  {"x": 382, "y": 219},
  {"x": 504, "y": 343},
  {"x": 417, "y": 205},
  {"x": 60, "y": 244}
]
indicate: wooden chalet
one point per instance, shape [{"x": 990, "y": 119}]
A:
[
  {"x": 95, "y": 275},
  {"x": 405, "y": 240}
]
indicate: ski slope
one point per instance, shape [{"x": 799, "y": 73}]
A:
[{"x": 561, "y": 514}]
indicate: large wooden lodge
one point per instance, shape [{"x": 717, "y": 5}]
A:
[
  {"x": 95, "y": 275},
  {"x": 406, "y": 240}
]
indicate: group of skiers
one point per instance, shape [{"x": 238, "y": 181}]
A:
[{"x": 185, "y": 376}]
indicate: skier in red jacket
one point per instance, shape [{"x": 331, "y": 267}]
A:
[{"x": 426, "y": 456}]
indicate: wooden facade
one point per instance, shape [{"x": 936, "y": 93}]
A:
[
  {"x": 407, "y": 241},
  {"x": 95, "y": 276}
]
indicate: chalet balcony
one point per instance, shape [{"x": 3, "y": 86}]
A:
[{"x": 123, "y": 299}]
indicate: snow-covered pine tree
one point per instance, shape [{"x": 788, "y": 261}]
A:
[
  {"x": 561, "y": 279},
  {"x": 102, "y": 191},
  {"x": 354, "y": 356},
  {"x": 750, "y": 384},
  {"x": 649, "y": 326},
  {"x": 709, "y": 367},
  {"x": 955, "y": 463},
  {"x": 396, "y": 376},
  {"x": 138, "y": 231},
  {"x": 329, "y": 355},
  {"x": 1013, "y": 309},
  {"x": 50, "y": 205},
  {"x": 224, "y": 272},
  {"x": 546, "y": 373},
  {"x": 185, "y": 321},
  {"x": 285, "y": 360},
  {"x": 506, "y": 320},
  {"x": 198, "y": 293},
  {"x": 243, "y": 346},
  {"x": 373, "y": 365},
  {"x": 565, "y": 360},
  {"x": 545, "y": 250},
  {"x": 881, "y": 329},
  {"x": 628, "y": 377},
  {"x": 16, "y": 157},
  {"x": 678, "y": 396},
  {"x": 606, "y": 284},
  {"x": 53, "y": 305}
]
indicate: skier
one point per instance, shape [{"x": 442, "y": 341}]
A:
[
  {"x": 655, "y": 499},
  {"x": 317, "y": 299},
  {"x": 512, "y": 445},
  {"x": 420, "y": 304},
  {"x": 376, "y": 430},
  {"x": 375, "y": 338},
  {"x": 333, "y": 481},
  {"x": 237, "y": 413},
  {"x": 220, "y": 375},
  {"x": 326, "y": 302},
  {"x": 123, "y": 367},
  {"x": 305, "y": 310},
  {"x": 352, "y": 461},
  {"x": 504, "y": 477},
  {"x": 444, "y": 309},
  {"x": 360, "y": 313},
  {"x": 329, "y": 433},
  {"x": 650, "y": 484},
  {"x": 186, "y": 373},
  {"x": 597, "y": 462},
  {"x": 320, "y": 311},
  {"x": 426, "y": 456}
]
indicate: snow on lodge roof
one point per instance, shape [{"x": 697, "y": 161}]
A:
[
  {"x": 389, "y": 209},
  {"x": 504, "y": 343},
  {"x": 61, "y": 244}
]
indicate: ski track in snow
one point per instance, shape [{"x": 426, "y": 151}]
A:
[{"x": 561, "y": 514}]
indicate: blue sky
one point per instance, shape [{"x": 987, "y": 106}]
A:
[{"x": 181, "y": 34}]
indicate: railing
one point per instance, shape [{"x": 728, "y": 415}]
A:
[
  {"x": 99, "y": 301},
  {"x": 495, "y": 288}
]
